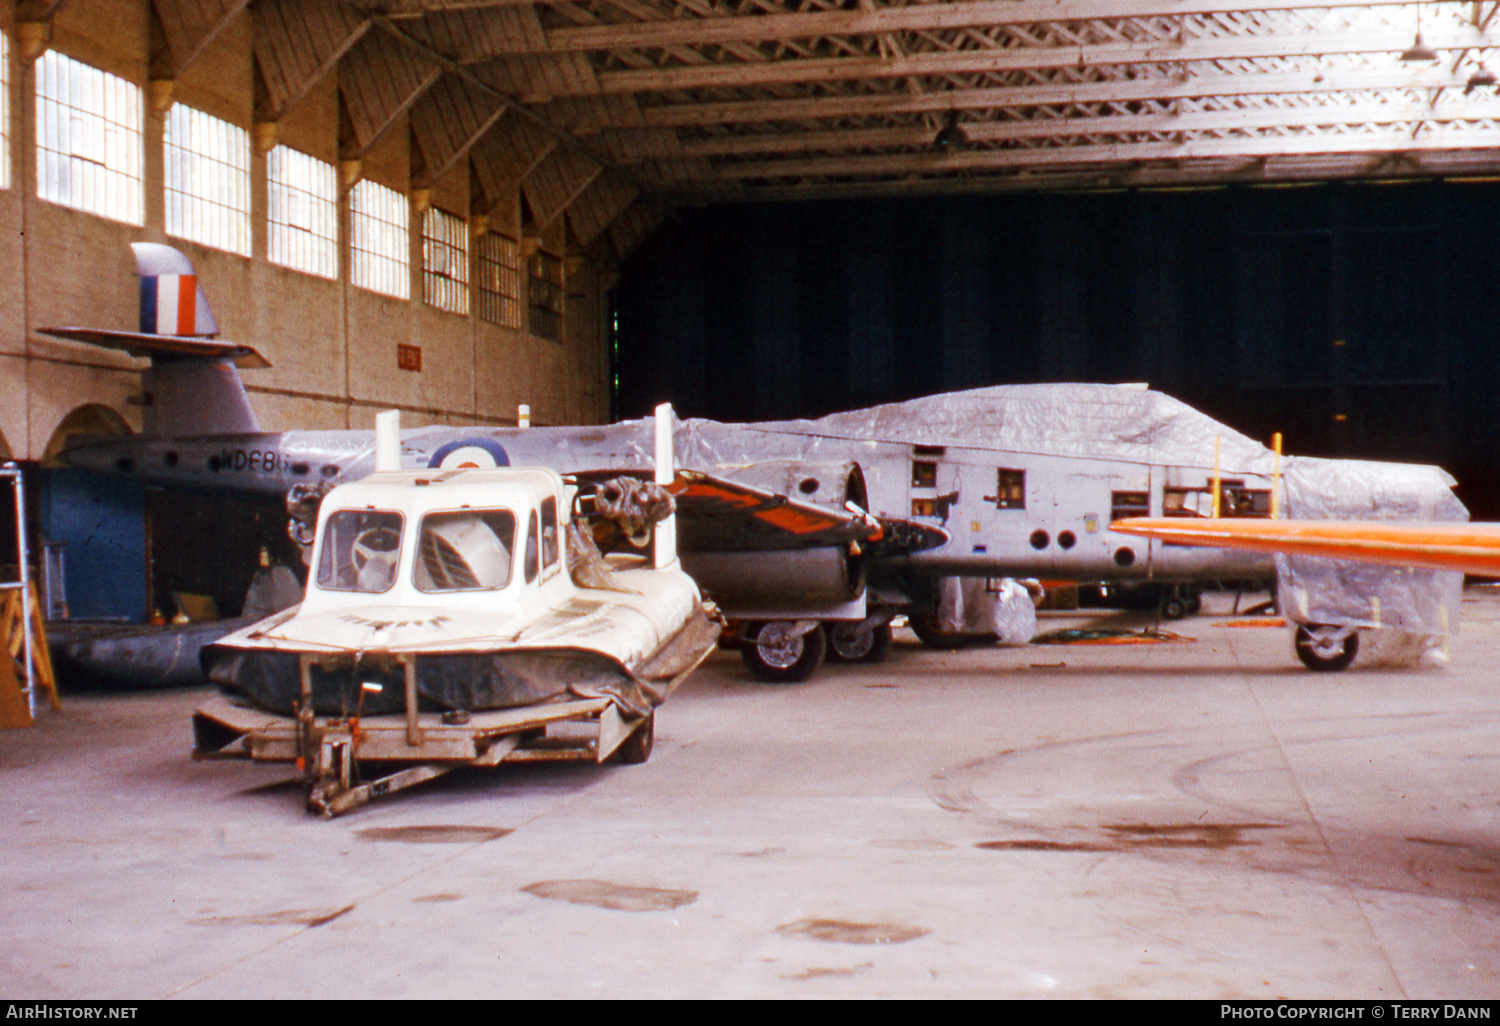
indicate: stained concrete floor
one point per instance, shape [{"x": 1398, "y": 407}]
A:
[{"x": 1202, "y": 820}]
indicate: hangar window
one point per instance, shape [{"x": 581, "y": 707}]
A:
[
  {"x": 499, "y": 280},
  {"x": 546, "y": 296},
  {"x": 303, "y": 219},
  {"x": 207, "y": 166},
  {"x": 88, "y": 139},
  {"x": 445, "y": 261},
  {"x": 380, "y": 234}
]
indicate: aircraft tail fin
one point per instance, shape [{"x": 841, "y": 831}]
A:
[
  {"x": 193, "y": 386},
  {"x": 172, "y": 301}
]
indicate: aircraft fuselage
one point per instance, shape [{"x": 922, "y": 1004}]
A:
[{"x": 1006, "y": 513}]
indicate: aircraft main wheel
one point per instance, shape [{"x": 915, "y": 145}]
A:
[
  {"x": 1173, "y": 608},
  {"x": 1324, "y": 648},
  {"x": 774, "y": 652},
  {"x": 848, "y": 644},
  {"x": 636, "y": 748}
]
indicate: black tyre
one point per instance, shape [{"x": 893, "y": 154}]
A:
[
  {"x": 848, "y": 644},
  {"x": 1173, "y": 608},
  {"x": 775, "y": 653},
  {"x": 1322, "y": 650},
  {"x": 636, "y": 748}
]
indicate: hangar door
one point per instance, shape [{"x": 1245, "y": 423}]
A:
[{"x": 1336, "y": 331}]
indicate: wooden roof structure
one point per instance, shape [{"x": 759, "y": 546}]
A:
[{"x": 609, "y": 112}]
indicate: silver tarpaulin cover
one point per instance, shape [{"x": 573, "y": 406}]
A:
[
  {"x": 1127, "y": 423},
  {"x": 1135, "y": 424}
]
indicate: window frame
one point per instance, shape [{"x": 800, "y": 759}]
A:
[
  {"x": 1010, "y": 488},
  {"x": 315, "y": 250},
  {"x": 379, "y": 214},
  {"x": 544, "y": 295},
  {"x": 447, "y": 234},
  {"x": 498, "y": 305},
  {"x": 484, "y": 513},
  {"x": 206, "y": 180},
  {"x": 326, "y": 555},
  {"x": 112, "y": 183}
]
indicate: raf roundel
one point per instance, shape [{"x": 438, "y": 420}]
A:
[{"x": 481, "y": 453}]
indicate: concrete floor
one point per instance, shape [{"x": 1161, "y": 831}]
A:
[{"x": 1199, "y": 820}]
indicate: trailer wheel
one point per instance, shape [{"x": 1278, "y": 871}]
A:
[
  {"x": 1324, "y": 648},
  {"x": 848, "y": 644},
  {"x": 636, "y": 748},
  {"x": 775, "y": 653}
]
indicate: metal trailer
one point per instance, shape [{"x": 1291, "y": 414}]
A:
[{"x": 333, "y": 754}]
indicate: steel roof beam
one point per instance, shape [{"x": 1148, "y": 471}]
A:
[
  {"x": 1270, "y": 119},
  {"x": 1022, "y": 97},
  {"x": 915, "y": 17},
  {"x": 1003, "y": 60},
  {"x": 1383, "y": 141}
]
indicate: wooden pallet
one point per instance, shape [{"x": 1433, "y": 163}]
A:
[{"x": 15, "y": 710}]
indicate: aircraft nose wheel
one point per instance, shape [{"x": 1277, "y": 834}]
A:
[
  {"x": 779, "y": 652},
  {"x": 1325, "y": 648}
]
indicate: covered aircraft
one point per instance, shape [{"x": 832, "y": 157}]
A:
[
  {"x": 1454, "y": 547},
  {"x": 842, "y": 522}
]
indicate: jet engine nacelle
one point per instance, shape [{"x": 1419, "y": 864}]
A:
[{"x": 817, "y": 580}]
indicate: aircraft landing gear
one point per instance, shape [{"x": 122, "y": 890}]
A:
[
  {"x": 783, "y": 651},
  {"x": 847, "y": 643},
  {"x": 1179, "y": 601},
  {"x": 1325, "y": 648}
]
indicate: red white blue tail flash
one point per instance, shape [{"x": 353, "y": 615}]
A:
[{"x": 172, "y": 303}]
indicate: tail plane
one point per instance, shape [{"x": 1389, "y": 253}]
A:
[{"x": 193, "y": 386}]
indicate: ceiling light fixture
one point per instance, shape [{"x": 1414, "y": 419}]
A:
[
  {"x": 950, "y": 137},
  {"x": 1481, "y": 77},
  {"x": 1419, "y": 50}
]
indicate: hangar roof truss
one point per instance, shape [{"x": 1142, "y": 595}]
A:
[{"x": 601, "y": 106}]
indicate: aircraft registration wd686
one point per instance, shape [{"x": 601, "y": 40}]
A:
[{"x": 812, "y": 535}]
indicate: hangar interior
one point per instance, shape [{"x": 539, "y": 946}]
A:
[{"x": 1281, "y": 212}]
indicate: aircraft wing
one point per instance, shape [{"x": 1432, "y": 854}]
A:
[
  {"x": 715, "y": 514},
  {"x": 138, "y": 343},
  {"x": 1471, "y": 548}
]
